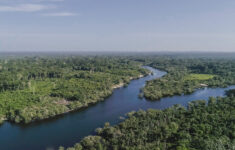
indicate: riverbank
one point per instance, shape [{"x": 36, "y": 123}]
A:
[
  {"x": 172, "y": 84},
  {"x": 65, "y": 106},
  {"x": 121, "y": 84},
  {"x": 185, "y": 76},
  {"x": 45, "y": 87},
  {"x": 173, "y": 128},
  {"x": 2, "y": 121},
  {"x": 51, "y": 133}
]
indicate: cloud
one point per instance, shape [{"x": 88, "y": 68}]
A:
[
  {"x": 60, "y": 14},
  {"x": 25, "y": 8}
]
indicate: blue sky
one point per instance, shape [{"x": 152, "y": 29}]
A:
[{"x": 117, "y": 25}]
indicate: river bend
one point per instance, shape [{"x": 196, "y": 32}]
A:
[{"x": 68, "y": 129}]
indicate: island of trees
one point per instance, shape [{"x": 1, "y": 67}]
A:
[
  {"x": 35, "y": 88},
  {"x": 201, "y": 126}
]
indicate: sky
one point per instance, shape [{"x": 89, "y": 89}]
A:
[{"x": 117, "y": 25}]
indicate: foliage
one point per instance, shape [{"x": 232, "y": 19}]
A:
[
  {"x": 186, "y": 75},
  {"x": 231, "y": 93},
  {"x": 35, "y": 88},
  {"x": 200, "y": 127},
  {"x": 194, "y": 76}
]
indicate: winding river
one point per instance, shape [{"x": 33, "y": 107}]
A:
[{"x": 70, "y": 128}]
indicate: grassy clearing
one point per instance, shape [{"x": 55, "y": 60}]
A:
[{"x": 194, "y": 76}]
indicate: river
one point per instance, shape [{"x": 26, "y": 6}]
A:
[{"x": 68, "y": 129}]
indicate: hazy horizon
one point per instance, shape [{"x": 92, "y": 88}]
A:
[
  {"x": 180, "y": 54},
  {"x": 117, "y": 26}
]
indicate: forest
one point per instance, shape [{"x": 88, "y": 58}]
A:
[
  {"x": 200, "y": 126},
  {"x": 185, "y": 75},
  {"x": 35, "y": 88}
]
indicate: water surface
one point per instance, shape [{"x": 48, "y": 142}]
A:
[{"x": 70, "y": 128}]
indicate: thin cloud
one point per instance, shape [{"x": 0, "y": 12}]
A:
[
  {"x": 25, "y": 8},
  {"x": 60, "y": 14}
]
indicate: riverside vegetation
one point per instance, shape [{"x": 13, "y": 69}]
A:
[
  {"x": 201, "y": 126},
  {"x": 35, "y": 88},
  {"x": 186, "y": 75}
]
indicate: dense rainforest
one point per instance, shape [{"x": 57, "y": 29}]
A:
[
  {"x": 35, "y": 88},
  {"x": 185, "y": 75},
  {"x": 202, "y": 126}
]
